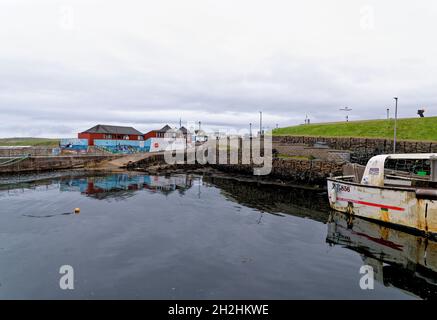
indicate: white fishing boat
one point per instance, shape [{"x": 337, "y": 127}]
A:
[{"x": 407, "y": 199}]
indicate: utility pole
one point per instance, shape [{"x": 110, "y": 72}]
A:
[
  {"x": 250, "y": 129},
  {"x": 396, "y": 120}
]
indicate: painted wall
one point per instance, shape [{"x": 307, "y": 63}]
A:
[
  {"x": 114, "y": 146},
  {"x": 162, "y": 144},
  {"x": 121, "y": 146},
  {"x": 110, "y": 142},
  {"x": 74, "y": 144}
]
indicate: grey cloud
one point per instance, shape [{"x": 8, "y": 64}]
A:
[{"x": 146, "y": 77}]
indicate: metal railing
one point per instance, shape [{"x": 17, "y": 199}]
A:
[
  {"x": 48, "y": 151},
  {"x": 12, "y": 161}
]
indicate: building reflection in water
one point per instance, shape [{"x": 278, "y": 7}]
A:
[
  {"x": 123, "y": 186},
  {"x": 399, "y": 259}
]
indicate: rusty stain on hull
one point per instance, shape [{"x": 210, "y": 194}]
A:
[{"x": 384, "y": 215}]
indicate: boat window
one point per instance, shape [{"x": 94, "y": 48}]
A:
[
  {"x": 419, "y": 167},
  {"x": 407, "y": 172}
]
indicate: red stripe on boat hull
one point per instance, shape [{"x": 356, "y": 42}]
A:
[{"x": 382, "y": 206}]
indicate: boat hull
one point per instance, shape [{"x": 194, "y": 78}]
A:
[{"x": 389, "y": 205}]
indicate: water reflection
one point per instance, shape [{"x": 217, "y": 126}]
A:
[
  {"x": 123, "y": 186},
  {"x": 399, "y": 259},
  {"x": 115, "y": 186},
  {"x": 274, "y": 199}
]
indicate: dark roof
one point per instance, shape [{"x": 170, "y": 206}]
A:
[
  {"x": 200, "y": 132},
  {"x": 164, "y": 128},
  {"x": 183, "y": 130},
  {"x": 102, "y": 128}
]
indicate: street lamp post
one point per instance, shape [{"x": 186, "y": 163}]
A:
[
  {"x": 260, "y": 123},
  {"x": 250, "y": 129},
  {"x": 388, "y": 113},
  {"x": 396, "y": 120}
]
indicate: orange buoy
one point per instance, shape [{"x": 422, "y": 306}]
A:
[{"x": 77, "y": 210}]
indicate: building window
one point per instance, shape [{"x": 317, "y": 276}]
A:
[
  {"x": 126, "y": 137},
  {"x": 108, "y": 136}
]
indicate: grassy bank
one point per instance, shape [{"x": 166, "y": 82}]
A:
[
  {"x": 407, "y": 129},
  {"x": 37, "y": 142}
]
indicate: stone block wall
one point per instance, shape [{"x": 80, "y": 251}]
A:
[
  {"x": 302, "y": 171},
  {"x": 51, "y": 163},
  {"x": 371, "y": 145},
  {"x": 362, "y": 149}
]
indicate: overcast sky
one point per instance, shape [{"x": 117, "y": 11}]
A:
[{"x": 68, "y": 65}]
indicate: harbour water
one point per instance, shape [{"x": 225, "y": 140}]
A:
[{"x": 192, "y": 237}]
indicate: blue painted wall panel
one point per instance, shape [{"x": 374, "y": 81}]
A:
[
  {"x": 74, "y": 144},
  {"x": 121, "y": 146}
]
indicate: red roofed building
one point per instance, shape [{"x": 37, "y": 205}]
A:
[
  {"x": 107, "y": 132},
  {"x": 161, "y": 133}
]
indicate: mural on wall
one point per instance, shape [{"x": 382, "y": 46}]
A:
[
  {"x": 121, "y": 146},
  {"x": 113, "y": 146},
  {"x": 74, "y": 144}
]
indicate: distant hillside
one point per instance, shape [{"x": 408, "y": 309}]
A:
[
  {"x": 42, "y": 142},
  {"x": 407, "y": 129}
]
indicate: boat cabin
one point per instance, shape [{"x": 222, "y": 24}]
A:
[{"x": 419, "y": 170}]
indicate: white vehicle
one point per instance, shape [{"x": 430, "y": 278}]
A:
[{"x": 393, "y": 197}]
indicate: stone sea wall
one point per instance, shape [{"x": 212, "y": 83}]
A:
[
  {"x": 51, "y": 163},
  {"x": 297, "y": 170},
  {"x": 300, "y": 171},
  {"x": 370, "y": 145},
  {"x": 360, "y": 149}
]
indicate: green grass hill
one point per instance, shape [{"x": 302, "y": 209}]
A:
[
  {"x": 38, "y": 142},
  {"x": 407, "y": 129}
]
